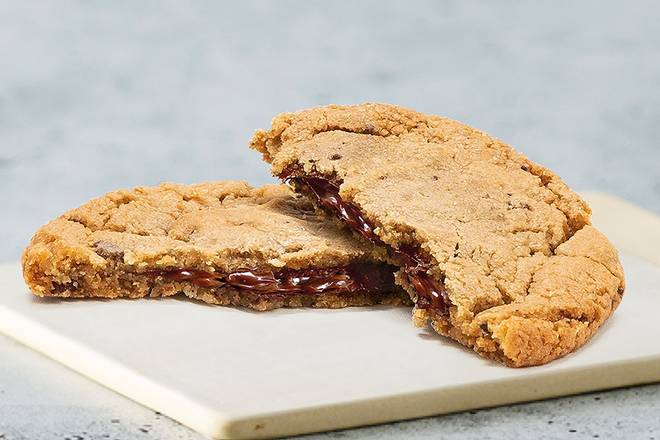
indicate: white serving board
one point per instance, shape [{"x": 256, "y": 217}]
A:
[{"x": 231, "y": 373}]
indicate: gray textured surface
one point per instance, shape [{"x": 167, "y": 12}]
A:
[{"x": 95, "y": 96}]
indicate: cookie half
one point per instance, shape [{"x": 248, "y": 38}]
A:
[
  {"x": 223, "y": 243},
  {"x": 495, "y": 250}
]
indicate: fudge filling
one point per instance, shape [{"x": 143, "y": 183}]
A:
[
  {"x": 354, "y": 278},
  {"x": 431, "y": 294}
]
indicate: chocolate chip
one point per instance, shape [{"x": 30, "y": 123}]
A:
[
  {"x": 61, "y": 287},
  {"x": 369, "y": 129},
  {"x": 335, "y": 156},
  {"x": 107, "y": 249}
]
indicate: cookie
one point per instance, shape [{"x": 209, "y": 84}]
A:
[
  {"x": 495, "y": 250},
  {"x": 223, "y": 243}
]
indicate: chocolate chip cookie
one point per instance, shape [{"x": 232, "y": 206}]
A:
[
  {"x": 495, "y": 250},
  {"x": 223, "y": 243}
]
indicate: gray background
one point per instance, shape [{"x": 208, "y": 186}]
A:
[{"x": 96, "y": 96}]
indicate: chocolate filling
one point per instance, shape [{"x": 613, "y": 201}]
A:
[
  {"x": 354, "y": 278},
  {"x": 431, "y": 294}
]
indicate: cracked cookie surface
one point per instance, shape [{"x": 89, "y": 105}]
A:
[
  {"x": 525, "y": 277},
  {"x": 163, "y": 240}
]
